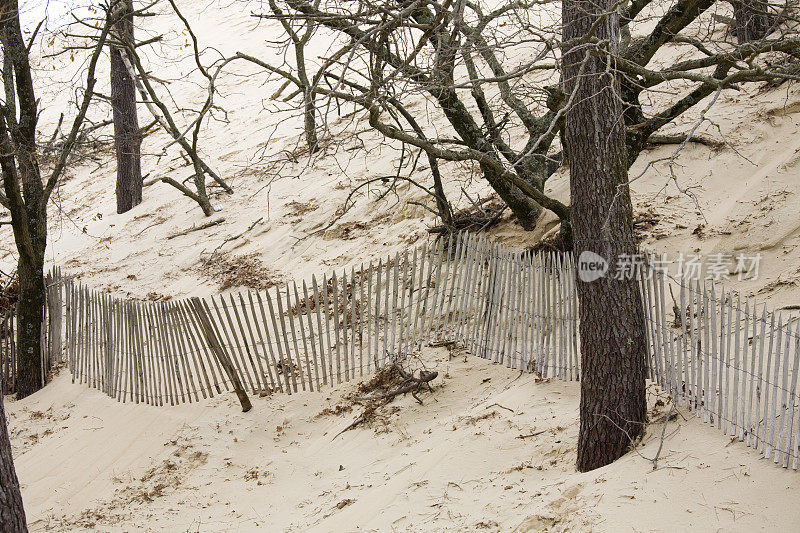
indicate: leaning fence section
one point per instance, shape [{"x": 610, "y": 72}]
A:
[
  {"x": 506, "y": 305},
  {"x": 731, "y": 362}
]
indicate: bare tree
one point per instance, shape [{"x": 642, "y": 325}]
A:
[
  {"x": 127, "y": 138},
  {"x": 12, "y": 513},
  {"x": 299, "y": 31},
  {"x": 187, "y": 137},
  {"x": 493, "y": 75},
  {"x": 25, "y": 193},
  {"x": 364, "y": 70}
]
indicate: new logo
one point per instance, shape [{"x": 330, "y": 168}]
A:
[{"x": 591, "y": 266}]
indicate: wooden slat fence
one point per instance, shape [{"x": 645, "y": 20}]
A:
[
  {"x": 512, "y": 307},
  {"x": 731, "y": 362}
]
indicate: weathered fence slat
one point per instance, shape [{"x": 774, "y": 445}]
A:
[
  {"x": 336, "y": 327},
  {"x": 361, "y": 310},
  {"x": 694, "y": 345},
  {"x": 774, "y": 344},
  {"x": 707, "y": 339},
  {"x": 369, "y": 322},
  {"x": 220, "y": 329},
  {"x": 303, "y": 338},
  {"x": 423, "y": 259},
  {"x": 200, "y": 368},
  {"x": 760, "y": 392},
  {"x": 272, "y": 363},
  {"x": 145, "y": 368},
  {"x": 400, "y": 347},
  {"x": 409, "y": 321},
  {"x": 203, "y": 317},
  {"x": 297, "y": 365},
  {"x": 238, "y": 355},
  {"x": 558, "y": 279},
  {"x": 772, "y": 413},
  {"x": 784, "y": 391},
  {"x": 666, "y": 363},
  {"x": 317, "y": 358},
  {"x": 395, "y": 313},
  {"x": 465, "y": 276},
  {"x": 439, "y": 317},
  {"x": 386, "y": 311},
  {"x": 173, "y": 379},
  {"x": 792, "y": 450},
  {"x": 324, "y": 349},
  {"x": 756, "y": 349},
  {"x": 724, "y": 382},
  {"x": 792, "y": 429},
  {"x": 245, "y": 350},
  {"x": 377, "y": 313},
  {"x": 745, "y": 344},
  {"x": 736, "y": 419},
  {"x": 344, "y": 326},
  {"x": 252, "y": 351},
  {"x": 285, "y": 364},
  {"x": 271, "y": 383},
  {"x": 164, "y": 391},
  {"x": 181, "y": 348}
]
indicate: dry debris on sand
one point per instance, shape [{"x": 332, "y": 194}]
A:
[
  {"x": 388, "y": 383},
  {"x": 235, "y": 271}
]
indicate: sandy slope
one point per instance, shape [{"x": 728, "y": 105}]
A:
[
  {"x": 454, "y": 463},
  {"x": 747, "y": 193}
]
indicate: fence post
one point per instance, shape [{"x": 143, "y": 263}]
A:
[{"x": 222, "y": 357}]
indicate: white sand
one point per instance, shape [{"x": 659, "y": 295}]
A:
[{"x": 454, "y": 463}]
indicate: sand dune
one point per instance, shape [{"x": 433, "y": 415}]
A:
[{"x": 455, "y": 463}]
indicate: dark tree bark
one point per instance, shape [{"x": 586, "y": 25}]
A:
[
  {"x": 127, "y": 137},
  {"x": 30, "y": 312},
  {"x": 310, "y": 119},
  {"x": 753, "y": 20},
  {"x": 12, "y": 514},
  {"x": 612, "y": 329}
]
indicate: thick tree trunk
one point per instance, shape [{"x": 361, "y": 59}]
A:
[
  {"x": 612, "y": 329},
  {"x": 12, "y": 514},
  {"x": 523, "y": 206},
  {"x": 442, "y": 205},
  {"x": 200, "y": 186},
  {"x": 753, "y": 20},
  {"x": 30, "y": 311},
  {"x": 127, "y": 138},
  {"x": 26, "y": 194}
]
